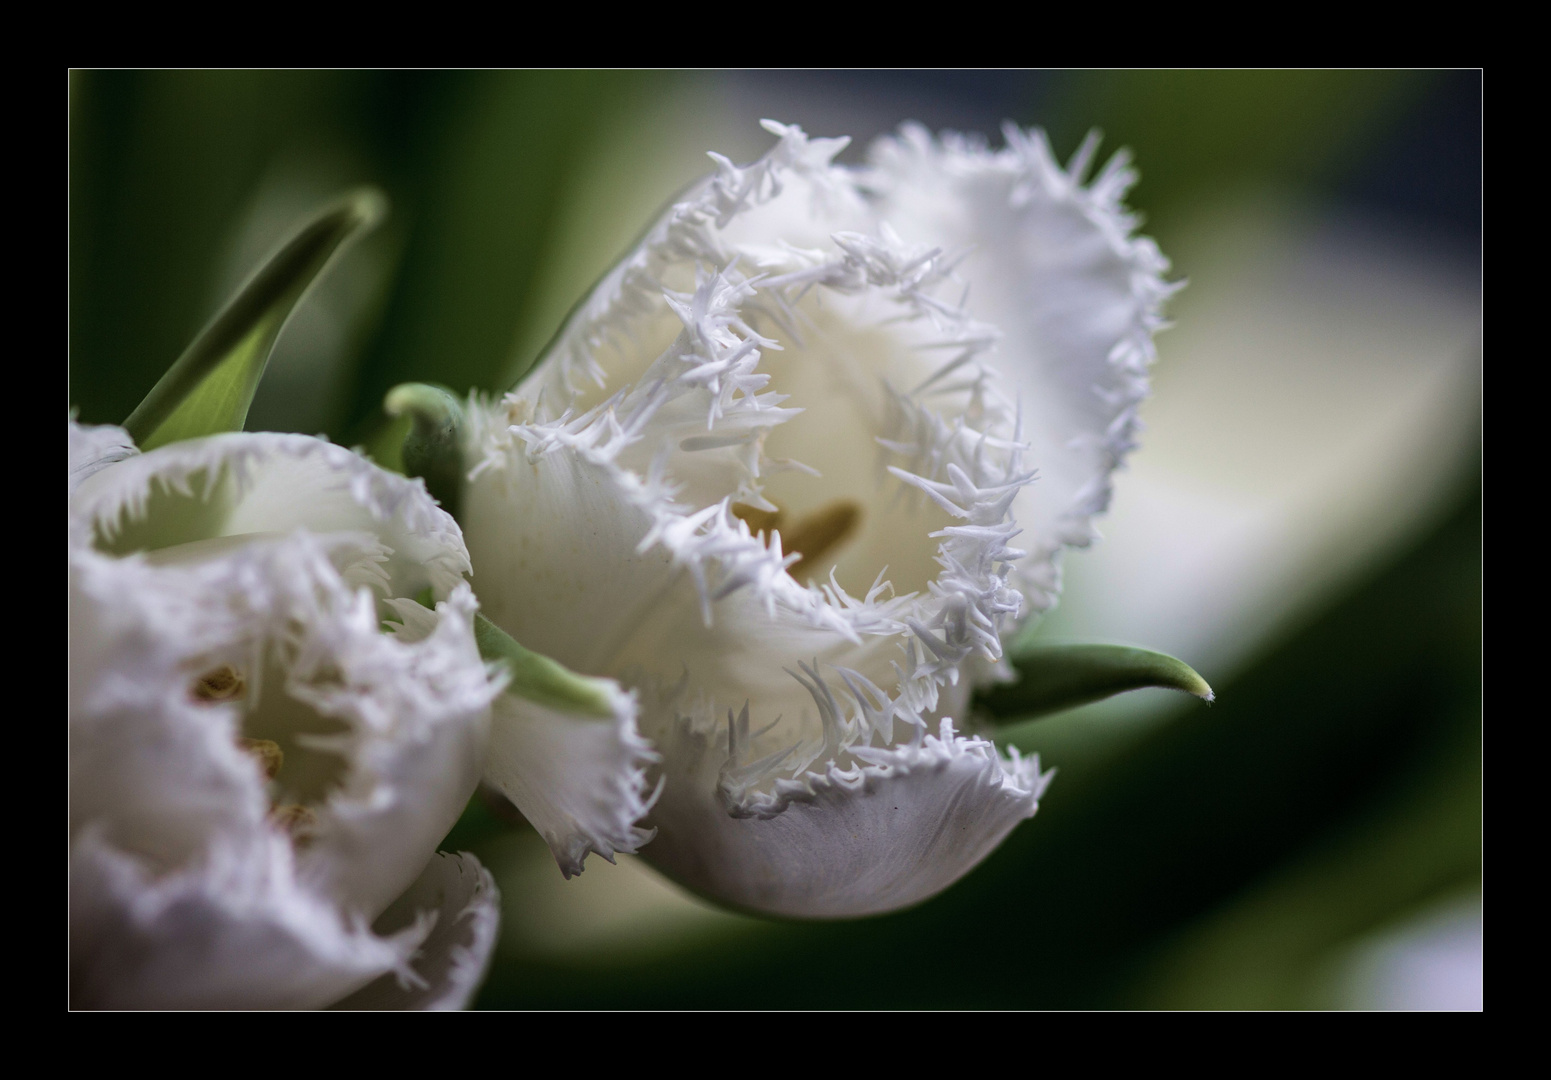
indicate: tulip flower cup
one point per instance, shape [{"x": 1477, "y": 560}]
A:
[
  {"x": 268, "y": 734},
  {"x": 795, "y": 470}
]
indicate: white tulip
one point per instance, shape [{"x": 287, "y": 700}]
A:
[
  {"x": 796, "y": 468},
  {"x": 261, "y": 767}
]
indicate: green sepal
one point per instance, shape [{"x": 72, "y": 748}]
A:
[
  {"x": 432, "y": 448},
  {"x": 540, "y": 679},
  {"x": 209, "y": 388},
  {"x": 1052, "y": 678}
]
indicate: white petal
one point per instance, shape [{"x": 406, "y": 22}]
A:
[
  {"x": 382, "y": 733},
  {"x": 1052, "y": 262},
  {"x": 234, "y": 932},
  {"x": 419, "y": 714},
  {"x": 242, "y": 484},
  {"x": 579, "y": 780},
  {"x": 774, "y": 345},
  {"x": 132, "y": 724},
  {"x": 451, "y": 962},
  {"x": 875, "y": 837},
  {"x": 406, "y": 721},
  {"x": 172, "y": 819},
  {"x": 93, "y": 449}
]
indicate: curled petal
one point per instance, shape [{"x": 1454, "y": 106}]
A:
[
  {"x": 255, "y": 754},
  {"x": 243, "y": 484},
  {"x": 579, "y": 780},
  {"x": 413, "y": 775},
  {"x": 458, "y": 898},
  {"x": 895, "y": 828},
  {"x": 235, "y": 932},
  {"x": 1052, "y": 261}
]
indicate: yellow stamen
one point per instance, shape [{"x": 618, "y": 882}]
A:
[
  {"x": 295, "y": 819},
  {"x": 267, "y": 752},
  {"x": 821, "y": 532},
  {"x": 222, "y": 684},
  {"x": 815, "y": 536},
  {"x": 759, "y": 521}
]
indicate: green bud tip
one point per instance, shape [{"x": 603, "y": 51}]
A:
[
  {"x": 435, "y": 410},
  {"x": 1053, "y": 678},
  {"x": 432, "y": 447}
]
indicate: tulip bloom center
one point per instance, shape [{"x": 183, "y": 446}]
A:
[
  {"x": 275, "y": 705},
  {"x": 844, "y": 375}
]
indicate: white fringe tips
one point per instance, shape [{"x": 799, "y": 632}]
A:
[{"x": 796, "y": 468}]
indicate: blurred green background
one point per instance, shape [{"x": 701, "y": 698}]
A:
[{"x": 1303, "y": 522}]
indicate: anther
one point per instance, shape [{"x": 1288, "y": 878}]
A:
[
  {"x": 267, "y": 753},
  {"x": 821, "y": 532},
  {"x": 296, "y": 819},
  {"x": 759, "y": 521},
  {"x": 222, "y": 684},
  {"x": 813, "y": 537}
]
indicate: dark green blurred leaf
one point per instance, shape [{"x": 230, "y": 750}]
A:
[
  {"x": 209, "y": 388},
  {"x": 505, "y": 152},
  {"x": 1274, "y": 946},
  {"x": 161, "y": 164},
  {"x": 487, "y": 817},
  {"x": 1056, "y": 677},
  {"x": 385, "y": 445},
  {"x": 1197, "y": 134},
  {"x": 476, "y": 165}
]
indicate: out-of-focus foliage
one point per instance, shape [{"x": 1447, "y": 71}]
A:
[
  {"x": 210, "y": 388},
  {"x": 168, "y": 167},
  {"x": 1227, "y": 856},
  {"x": 1201, "y": 134}
]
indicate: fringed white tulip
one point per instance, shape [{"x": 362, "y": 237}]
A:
[
  {"x": 795, "y": 469},
  {"x": 261, "y": 766}
]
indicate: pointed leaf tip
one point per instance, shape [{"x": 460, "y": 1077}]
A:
[
  {"x": 1054, "y": 678},
  {"x": 209, "y": 388}
]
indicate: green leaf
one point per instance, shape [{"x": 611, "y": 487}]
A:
[
  {"x": 432, "y": 447},
  {"x": 540, "y": 679},
  {"x": 1057, "y": 677},
  {"x": 209, "y": 388}
]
